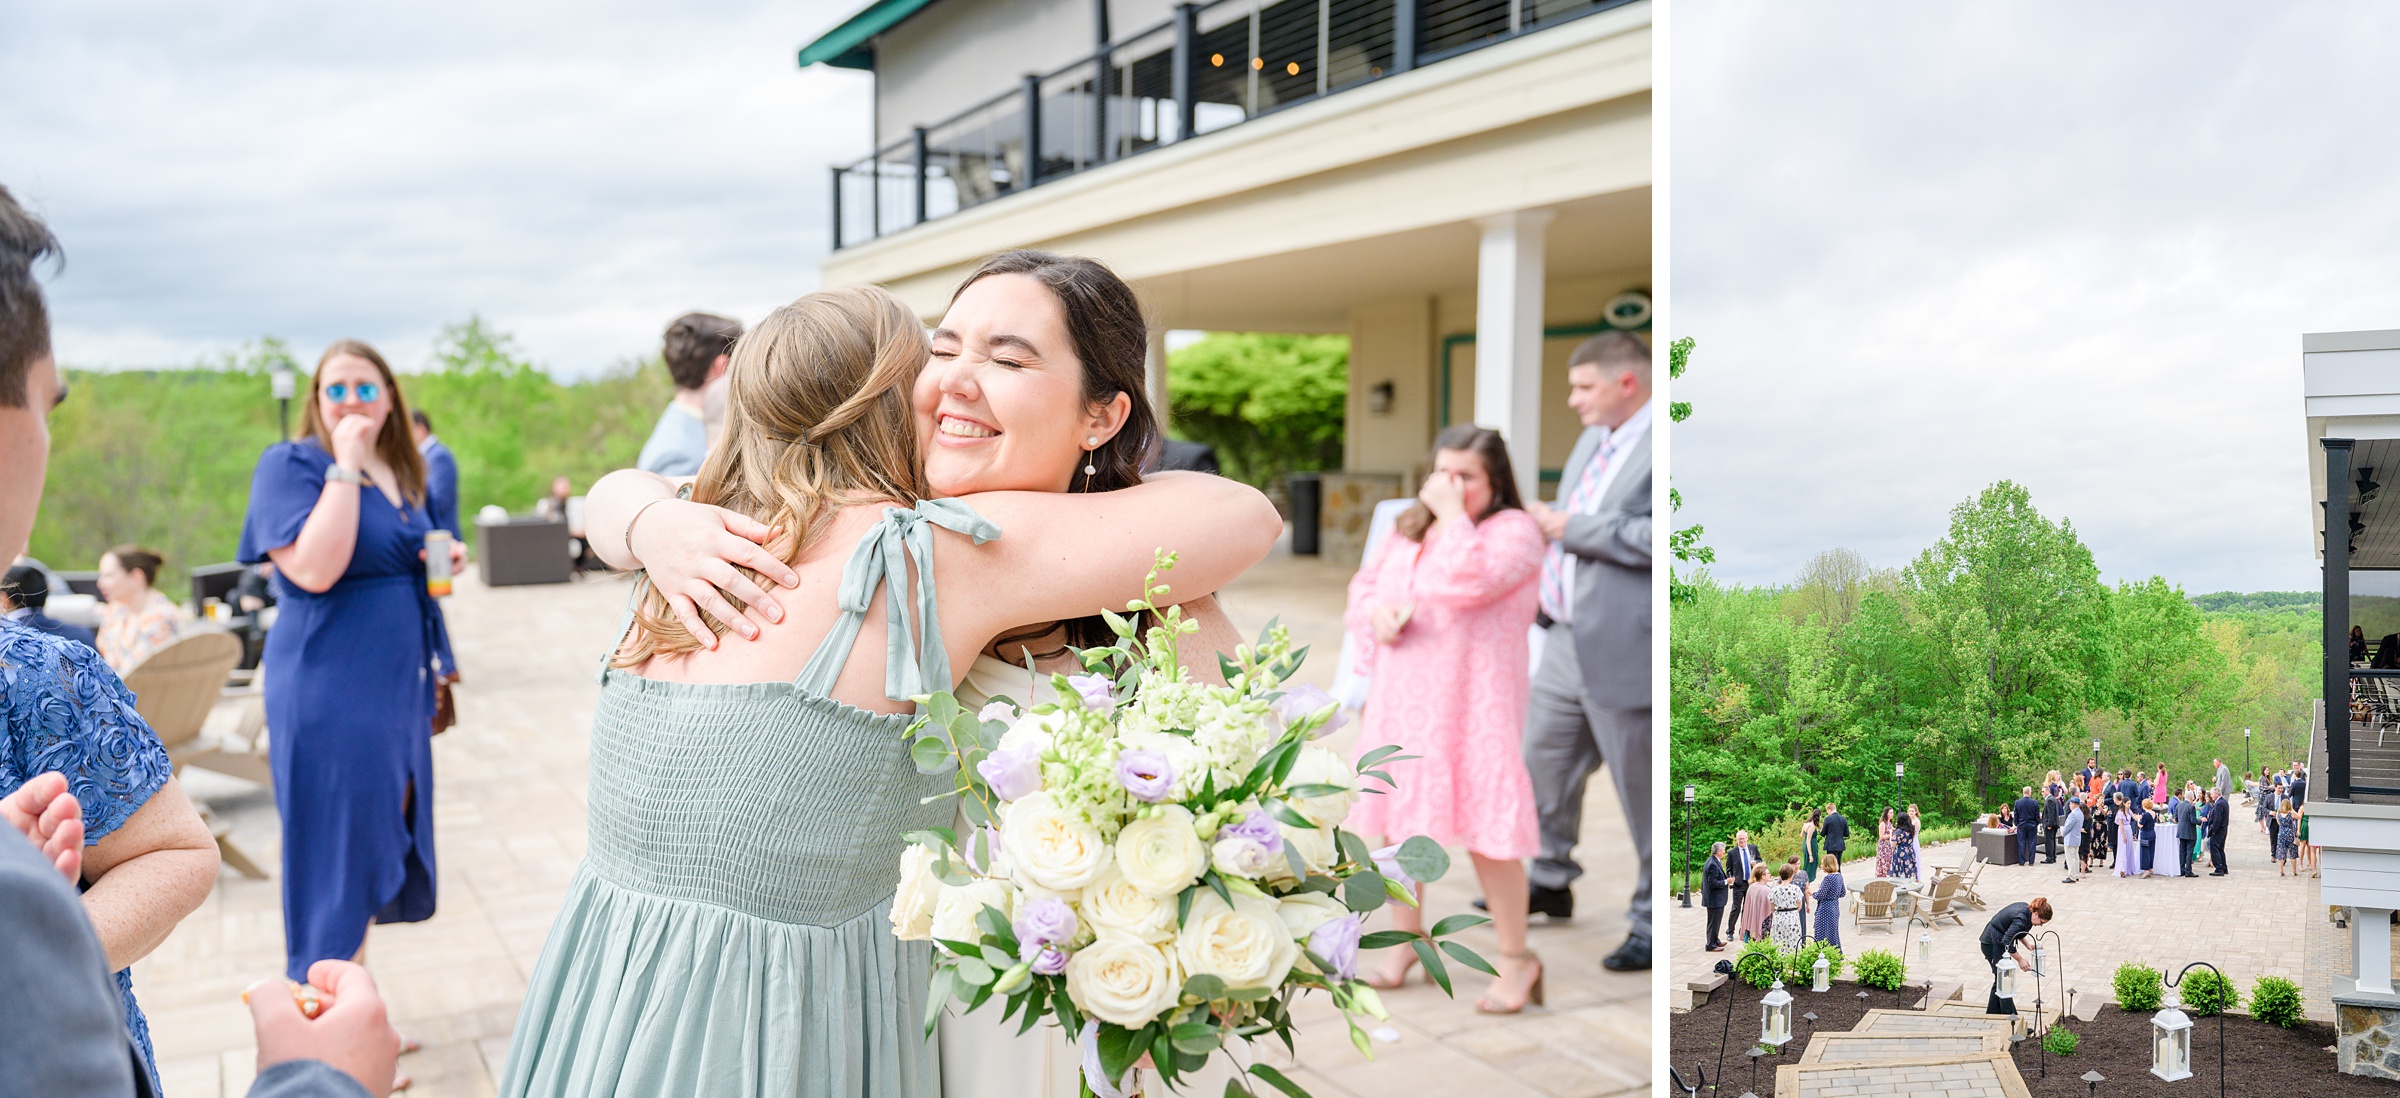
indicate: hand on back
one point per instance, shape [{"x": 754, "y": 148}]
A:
[{"x": 43, "y": 811}]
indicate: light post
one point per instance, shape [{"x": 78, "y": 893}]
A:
[
  {"x": 2245, "y": 752},
  {"x": 2041, "y": 968},
  {"x": 1899, "y": 791},
  {"x": 1691, "y": 799},
  {"x": 2095, "y": 754},
  {"x": 2171, "y": 1031},
  {"x": 281, "y": 382}
]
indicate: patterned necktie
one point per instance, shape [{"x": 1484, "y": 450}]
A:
[{"x": 1579, "y": 499}]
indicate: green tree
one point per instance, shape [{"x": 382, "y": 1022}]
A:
[
  {"x": 1271, "y": 404},
  {"x": 2167, "y": 678},
  {"x": 2011, "y": 608}
]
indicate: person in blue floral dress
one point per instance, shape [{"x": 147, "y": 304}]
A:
[{"x": 150, "y": 860}]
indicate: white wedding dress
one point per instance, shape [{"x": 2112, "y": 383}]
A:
[{"x": 981, "y": 1056}]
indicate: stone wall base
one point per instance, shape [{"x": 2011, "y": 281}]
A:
[{"x": 2367, "y": 1037}]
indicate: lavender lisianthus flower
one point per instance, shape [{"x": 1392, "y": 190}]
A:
[
  {"x": 1258, "y": 827},
  {"x": 1046, "y": 960},
  {"x": 1387, "y": 862},
  {"x": 1306, "y": 698},
  {"x": 1012, "y": 774},
  {"x": 990, "y": 847},
  {"x": 1047, "y": 921},
  {"x": 1336, "y": 940},
  {"x": 1094, "y": 690},
  {"x": 1147, "y": 775}
]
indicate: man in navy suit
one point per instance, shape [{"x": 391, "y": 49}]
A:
[
  {"x": 2219, "y": 816},
  {"x": 2187, "y": 834},
  {"x": 1713, "y": 893},
  {"x": 23, "y": 594},
  {"x": 2027, "y": 814},
  {"x": 441, "y": 474}
]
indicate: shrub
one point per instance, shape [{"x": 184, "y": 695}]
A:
[
  {"x": 2140, "y": 988},
  {"x": 2207, "y": 994},
  {"x": 2060, "y": 1041},
  {"x": 2276, "y": 1001},
  {"x": 1881, "y": 969},
  {"x": 1800, "y": 966},
  {"x": 1759, "y": 963}
]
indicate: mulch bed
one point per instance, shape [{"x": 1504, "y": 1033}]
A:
[
  {"x": 1693, "y": 1035},
  {"x": 2260, "y": 1059}
]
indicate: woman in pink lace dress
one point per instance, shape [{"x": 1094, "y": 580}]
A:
[{"x": 1440, "y": 615}]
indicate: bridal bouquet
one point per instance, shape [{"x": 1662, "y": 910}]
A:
[{"x": 1155, "y": 863}]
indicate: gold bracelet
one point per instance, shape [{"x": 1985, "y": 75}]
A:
[{"x": 637, "y": 517}]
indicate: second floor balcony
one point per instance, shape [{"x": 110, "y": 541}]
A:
[{"x": 1208, "y": 67}]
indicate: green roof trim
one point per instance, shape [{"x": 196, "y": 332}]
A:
[{"x": 851, "y": 45}]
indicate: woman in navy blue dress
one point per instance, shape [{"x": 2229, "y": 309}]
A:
[{"x": 349, "y": 668}]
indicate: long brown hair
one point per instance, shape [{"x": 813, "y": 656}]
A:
[
  {"x": 817, "y": 414},
  {"x": 1112, "y": 341},
  {"x": 393, "y": 442},
  {"x": 1489, "y": 448}
]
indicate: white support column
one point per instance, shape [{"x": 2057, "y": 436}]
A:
[
  {"x": 1154, "y": 377},
  {"x": 2371, "y": 947},
  {"x": 1508, "y": 338}
]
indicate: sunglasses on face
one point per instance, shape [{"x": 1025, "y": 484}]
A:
[{"x": 367, "y": 392}]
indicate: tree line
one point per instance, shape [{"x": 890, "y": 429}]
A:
[{"x": 1994, "y": 656}]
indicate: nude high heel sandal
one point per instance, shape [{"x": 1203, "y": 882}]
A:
[{"x": 1533, "y": 994}]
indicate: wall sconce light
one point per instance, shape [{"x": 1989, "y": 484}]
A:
[{"x": 1379, "y": 398}]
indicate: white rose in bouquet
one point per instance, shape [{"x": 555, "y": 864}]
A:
[
  {"x": 955, "y": 909},
  {"x": 1115, "y": 905},
  {"x": 1033, "y": 732},
  {"x": 912, "y": 905},
  {"x": 1314, "y": 844},
  {"x": 1244, "y": 944},
  {"x": 1049, "y": 847},
  {"x": 1318, "y": 766},
  {"x": 1124, "y": 981},
  {"x": 1303, "y": 912},
  {"x": 1244, "y": 858},
  {"x": 1161, "y": 854}
]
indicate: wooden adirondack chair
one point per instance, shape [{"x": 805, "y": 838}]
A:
[
  {"x": 174, "y": 689},
  {"x": 1875, "y": 905}
]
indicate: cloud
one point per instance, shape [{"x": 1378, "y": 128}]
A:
[
  {"x": 1924, "y": 248},
  {"x": 577, "y": 173}
]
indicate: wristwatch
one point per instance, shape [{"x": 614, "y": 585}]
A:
[{"x": 336, "y": 472}]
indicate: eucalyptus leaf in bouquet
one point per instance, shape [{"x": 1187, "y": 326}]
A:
[{"x": 1154, "y": 865}]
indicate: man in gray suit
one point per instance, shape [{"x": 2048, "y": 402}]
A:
[{"x": 1591, "y": 694}]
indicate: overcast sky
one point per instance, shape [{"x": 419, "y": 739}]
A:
[
  {"x": 578, "y": 173},
  {"x": 1928, "y": 247}
]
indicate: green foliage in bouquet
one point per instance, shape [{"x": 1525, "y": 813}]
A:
[
  {"x": 2060, "y": 1041},
  {"x": 2207, "y": 994},
  {"x": 1800, "y": 965},
  {"x": 2275, "y": 1001},
  {"x": 1181, "y": 816},
  {"x": 1883, "y": 969},
  {"x": 2139, "y": 987},
  {"x": 1759, "y": 963}
]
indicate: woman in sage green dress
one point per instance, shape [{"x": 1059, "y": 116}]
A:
[
  {"x": 725, "y": 934},
  {"x": 685, "y": 547}
]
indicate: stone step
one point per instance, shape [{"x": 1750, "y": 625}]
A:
[
  {"x": 1985, "y": 1075},
  {"x": 1701, "y": 988},
  {"x": 1918, "y": 1021},
  {"x": 1942, "y": 991},
  {"x": 1867, "y": 1048}
]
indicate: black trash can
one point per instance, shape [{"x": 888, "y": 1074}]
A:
[{"x": 1306, "y": 491}]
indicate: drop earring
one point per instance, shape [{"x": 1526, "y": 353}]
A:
[{"x": 1090, "y": 442}]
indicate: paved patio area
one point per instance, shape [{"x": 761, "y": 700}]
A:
[
  {"x": 2249, "y": 923},
  {"x": 510, "y": 820}
]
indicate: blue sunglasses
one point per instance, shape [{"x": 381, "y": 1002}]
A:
[{"x": 367, "y": 392}]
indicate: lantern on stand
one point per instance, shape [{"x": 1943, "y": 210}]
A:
[
  {"x": 2004, "y": 977},
  {"x": 2171, "y": 1042},
  {"x": 1775, "y": 1017},
  {"x": 1823, "y": 974},
  {"x": 2041, "y": 961},
  {"x": 1925, "y": 946}
]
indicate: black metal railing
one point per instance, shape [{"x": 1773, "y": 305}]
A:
[{"x": 1211, "y": 66}]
